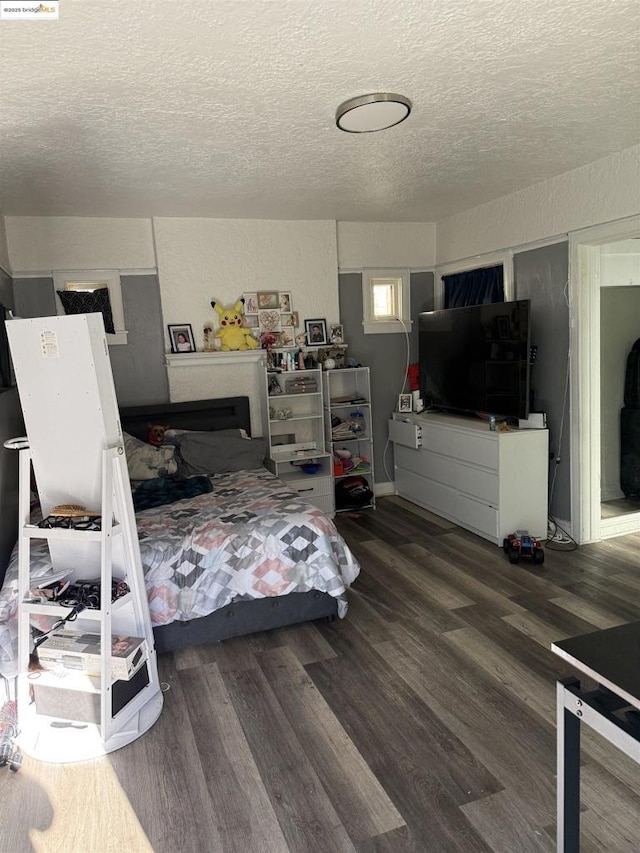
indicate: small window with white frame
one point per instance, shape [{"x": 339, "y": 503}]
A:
[
  {"x": 88, "y": 291},
  {"x": 385, "y": 301}
]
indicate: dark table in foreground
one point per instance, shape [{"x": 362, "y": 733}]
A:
[{"x": 611, "y": 658}]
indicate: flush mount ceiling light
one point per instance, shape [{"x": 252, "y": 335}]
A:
[{"x": 368, "y": 113}]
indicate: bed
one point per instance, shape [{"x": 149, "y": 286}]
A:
[{"x": 245, "y": 555}]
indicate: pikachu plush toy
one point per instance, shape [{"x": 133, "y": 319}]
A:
[{"x": 233, "y": 335}]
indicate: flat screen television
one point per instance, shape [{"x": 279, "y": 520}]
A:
[{"x": 476, "y": 358}]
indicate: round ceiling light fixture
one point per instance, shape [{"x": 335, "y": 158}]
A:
[{"x": 369, "y": 113}]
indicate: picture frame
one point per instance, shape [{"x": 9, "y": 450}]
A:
[
  {"x": 290, "y": 320},
  {"x": 336, "y": 333},
  {"x": 250, "y": 302},
  {"x": 286, "y": 336},
  {"x": 284, "y": 299},
  {"x": 404, "y": 402},
  {"x": 316, "y": 332},
  {"x": 269, "y": 319},
  {"x": 181, "y": 337},
  {"x": 268, "y": 300}
]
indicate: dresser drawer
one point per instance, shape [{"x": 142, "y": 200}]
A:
[
  {"x": 311, "y": 487},
  {"x": 478, "y": 516},
  {"x": 478, "y": 448},
  {"x": 449, "y": 472}
]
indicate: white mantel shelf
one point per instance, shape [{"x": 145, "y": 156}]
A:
[{"x": 209, "y": 359}]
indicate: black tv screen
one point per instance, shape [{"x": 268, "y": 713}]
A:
[{"x": 476, "y": 358}]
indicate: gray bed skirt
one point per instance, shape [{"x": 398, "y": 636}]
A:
[{"x": 246, "y": 617}]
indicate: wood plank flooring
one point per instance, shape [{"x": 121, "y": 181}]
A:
[{"x": 422, "y": 723}]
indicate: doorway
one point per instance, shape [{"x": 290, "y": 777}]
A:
[{"x": 605, "y": 295}]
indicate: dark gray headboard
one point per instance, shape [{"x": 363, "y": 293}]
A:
[{"x": 201, "y": 415}]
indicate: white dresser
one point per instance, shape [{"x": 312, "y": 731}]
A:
[{"x": 491, "y": 483}]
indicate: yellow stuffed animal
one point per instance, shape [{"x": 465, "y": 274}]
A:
[{"x": 232, "y": 333}]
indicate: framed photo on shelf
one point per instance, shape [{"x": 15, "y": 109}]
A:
[
  {"x": 250, "y": 302},
  {"x": 181, "y": 337},
  {"x": 268, "y": 299},
  {"x": 285, "y": 302},
  {"x": 290, "y": 320},
  {"x": 404, "y": 403},
  {"x": 336, "y": 333},
  {"x": 316, "y": 331}
]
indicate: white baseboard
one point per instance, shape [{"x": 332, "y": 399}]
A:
[{"x": 381, "y": 489}]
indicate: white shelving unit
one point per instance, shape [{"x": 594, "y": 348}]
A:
[
  {"x": 347, "y": 418},
  {"x": 293, "y": 427},
  {"x": 74, "y": 445}
]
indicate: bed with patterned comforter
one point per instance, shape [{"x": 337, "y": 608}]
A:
[{"x": 249, "y": 538}]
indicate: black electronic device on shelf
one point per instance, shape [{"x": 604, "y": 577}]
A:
[{"x": 477, "y": 358}]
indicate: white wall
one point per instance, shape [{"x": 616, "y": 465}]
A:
[
  {"x": 204, "y": 259},
  {"x": 620, "y": 270},
  {"x": 45, "y": 243},
  {"x": 4, "y": 253},
  {"x": 600, "y": 192},
  {"x": 386, "y": 244}
]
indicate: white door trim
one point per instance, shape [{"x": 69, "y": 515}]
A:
[{"x": 584, "y": 300}]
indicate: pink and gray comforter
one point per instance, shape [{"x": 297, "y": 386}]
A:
[{"x": 250, "y": 537}]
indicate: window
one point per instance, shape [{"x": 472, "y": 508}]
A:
[
  {"x": 86, "y": 291},
  {"x": 385, "y": 301},
  {"x": 477, "y": 264}
]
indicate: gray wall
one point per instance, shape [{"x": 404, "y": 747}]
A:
[
  {"x": 385, "y": 355},
  {"x": 541, "y": 275},
  {"x": 6, "y": 290},
  {"x": 11, "y": 426},
  {"x": 619, "y": 330},
  {"x": 139, "y": 372}
]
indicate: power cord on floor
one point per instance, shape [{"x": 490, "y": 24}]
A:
[{"x": 558, "y": 539}]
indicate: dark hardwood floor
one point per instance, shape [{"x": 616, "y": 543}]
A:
[{"x": 422, "y": 723}]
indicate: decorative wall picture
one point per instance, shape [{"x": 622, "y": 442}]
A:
[
  {"x": 316, "y": 332},
  {"x": 290, "y": 320},
  {"x": 285, "y": 302},
  {"x": 404, "y": 403},
  {"x": 181, "y": 337},
  {"x": 250, "y": 302},
  {"x": 286, "y": 336},
  {"x": 269, "y": 320},
  {"x": 251, "y": 321},
  {"x": 336, "y": 333},
  {"x": 268, "y": 299}
]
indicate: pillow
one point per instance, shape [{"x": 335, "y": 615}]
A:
[
  {"x": 89, "y": 302},
  {"x": 146, "y": 462},
  {"x": 218, "y": 452}
]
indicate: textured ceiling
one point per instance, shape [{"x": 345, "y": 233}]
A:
[{"x": 225, "y": 108}]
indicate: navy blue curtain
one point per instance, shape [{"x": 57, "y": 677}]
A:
[{"x": 474, "y": 287}]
